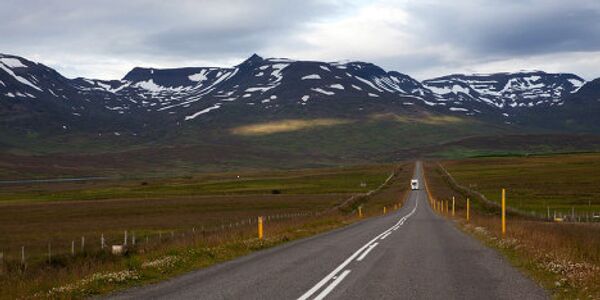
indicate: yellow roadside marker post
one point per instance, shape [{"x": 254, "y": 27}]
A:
[
  {"x": 503, "y": 212},
  {"x": 360, "y": 211},
  {"x": 468, "y": 208},
  {"x": 453, "y": 206},
  {"x": 384, "y": 210},
  {"x": 260, "y": 228}
]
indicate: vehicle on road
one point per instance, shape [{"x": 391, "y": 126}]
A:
[{"x": 414, "y": 184}]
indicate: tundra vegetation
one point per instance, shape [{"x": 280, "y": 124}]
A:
[{"x": 172, "y": 225}]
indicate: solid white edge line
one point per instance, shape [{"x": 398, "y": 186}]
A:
[
  {"x": 386, "y": 235},
  {"x": 366, "y": 252},
  {"x": 330, "y": 287},
  {"x": 326, "y": 279}
]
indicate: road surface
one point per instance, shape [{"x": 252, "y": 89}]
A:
[{"x": 411, "y": 253}]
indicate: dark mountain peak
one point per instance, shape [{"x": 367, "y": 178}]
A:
[
  {"x": 253, "y": 60},
  {"x": 136, "y": 73}
]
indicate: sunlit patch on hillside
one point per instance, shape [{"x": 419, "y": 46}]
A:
[
  {"x": 286, "y": 126},
  {"x": 422, "y": 119}
]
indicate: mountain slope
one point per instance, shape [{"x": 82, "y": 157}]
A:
[
  {"x": 271, "y": 88},
  {"x": 332, "y": 112}
]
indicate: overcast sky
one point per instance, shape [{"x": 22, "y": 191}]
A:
[{"x": 422, "y": 38}]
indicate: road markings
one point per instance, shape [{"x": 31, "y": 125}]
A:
[
  {"x": 362, "y": 256},
  {"x": 330, "y": 288},
  {"x": 333, "y": 273},
  {"x": 385, "y": 235}
]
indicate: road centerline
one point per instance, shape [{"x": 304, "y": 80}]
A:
[
  {"x": 333, "y": 273},
  {"x": 360, "y": 258}
]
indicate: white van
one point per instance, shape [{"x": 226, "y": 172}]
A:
[{"x": 414, "y": 184}]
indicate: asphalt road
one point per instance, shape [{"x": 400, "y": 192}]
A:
[{"x": 408, "y": 254}]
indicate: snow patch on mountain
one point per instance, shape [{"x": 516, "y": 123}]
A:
[
  {"x": 19, "y": 78},
  {"x": 199, "y": 76},
  {"x": 206, "y": 110},
  {"x": 322, "y": 91},
  {"x": 12, "y": 62},
  {"x": 311, "y": 76}
]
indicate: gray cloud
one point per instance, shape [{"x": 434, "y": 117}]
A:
[
  {"x": 512, "y": 27},
  {"x": 105, "y": 38}
]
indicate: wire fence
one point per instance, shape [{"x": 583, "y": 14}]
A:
[
  {"x": 557, "y": 214},
  {"x": 22, "y": 257},
  {"x": 99, "y": 243}
]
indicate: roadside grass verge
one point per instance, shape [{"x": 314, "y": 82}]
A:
[
  {"x": 179, "y": 248},
  {"x": 562, "y": 257}
]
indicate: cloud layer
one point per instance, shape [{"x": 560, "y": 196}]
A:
[{"x": 425, "y": 38}]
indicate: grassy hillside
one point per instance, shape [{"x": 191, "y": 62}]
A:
[
  {"x": 272, "y": 144},
  {"x": 283, "y": 144},
  {"x": 536, "y": 183}
]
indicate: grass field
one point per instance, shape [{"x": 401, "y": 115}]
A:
[
  {"x": 563, "y": 257},
  {"x": 173, "y": 215},
  {"x": 306, "y": 181},
  {"x": 563, "y": 183}
]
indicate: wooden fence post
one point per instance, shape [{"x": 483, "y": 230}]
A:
[{"x": 23, "y": 256}]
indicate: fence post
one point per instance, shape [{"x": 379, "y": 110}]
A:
[
  {"x": 133, "y": 239},
  {"x": 125, "y": 238},
  {"x": 453, "y": 202},
  {"x": 23, "y": 256},
  {"x": 260, "y": 228},
  {"x": 468, "y": 210},
  {"x": 360, "y": 212},
  {"x": 82, "y": 244},
  {"x": 503, "y": 212},
  {"x": 102, "y": 241},
  {"x": 73, "y": 247}
]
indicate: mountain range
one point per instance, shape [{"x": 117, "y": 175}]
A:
[{"x": 216, "y": 106}]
